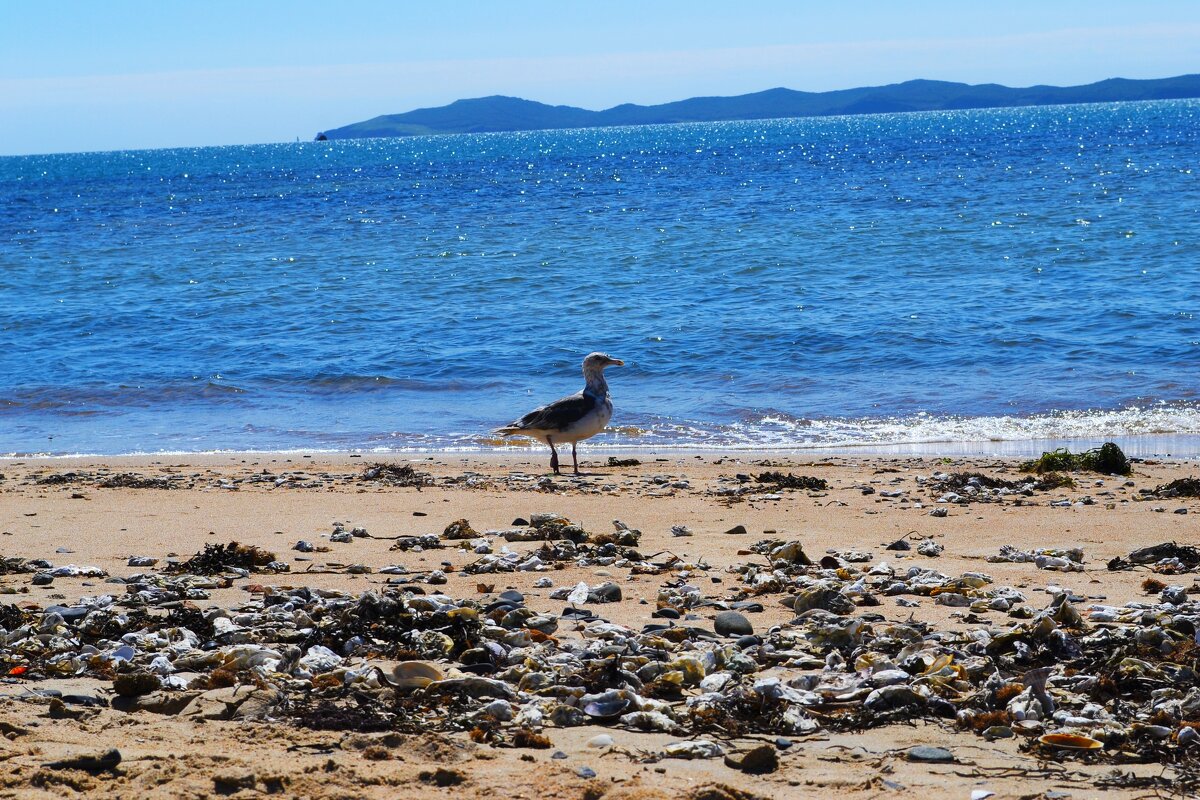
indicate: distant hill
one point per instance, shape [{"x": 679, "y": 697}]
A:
[{"x": 499, "y": 113}]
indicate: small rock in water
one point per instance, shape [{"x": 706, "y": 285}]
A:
[{"x": 731, "y": 623}]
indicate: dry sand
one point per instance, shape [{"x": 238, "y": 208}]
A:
[{"x": 229, "y": 499}]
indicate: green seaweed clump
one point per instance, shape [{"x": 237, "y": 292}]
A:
[{"x": 1107, "y": 459}]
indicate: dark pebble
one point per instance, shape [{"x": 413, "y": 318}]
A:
[
  {"x": 900, "y": 544},
  {"x": 782, "y": 743},
  {"x": 748, "y": 641},
  {"x": 607, "y": 593},
  {"x": 513, "y": 597},
  {"x": 731, "y": 623},
  {"x": 43, "y": 579},
  {"x": 666, "y": 613},
  {"x": 585, "y": 772},
  {"x": 759, "y": 761},
  {"x": 68, "y": 614},
  {"x": 737, "y": 529},
  {"x": 577, "y": 613},
  {"x": 747, "y": 606},
  {"x": 521, "y": 522}
]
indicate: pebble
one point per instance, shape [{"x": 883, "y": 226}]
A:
[
  {"x": 585, "y": 772},
  {"x": 929, "y": 755},
  {"x": 731, "y": 623},
  {"x": 600, "y": 740},
  {"x": 759, "y": 761},
  {"x": 42, "y": 579},
  {"x": 737, "y": 529}
]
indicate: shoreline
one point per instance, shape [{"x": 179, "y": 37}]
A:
[{"x": 1170, "y": 446}]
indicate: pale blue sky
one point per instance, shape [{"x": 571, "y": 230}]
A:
[{"x": 123, "y": 74}]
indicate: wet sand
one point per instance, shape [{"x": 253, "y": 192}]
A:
[{"x": 274, "y": 500}]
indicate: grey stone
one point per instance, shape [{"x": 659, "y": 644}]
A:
[{"x": 731, "y": 623}]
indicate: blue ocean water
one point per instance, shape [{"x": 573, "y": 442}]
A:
[{"x": 986, "y": 275}]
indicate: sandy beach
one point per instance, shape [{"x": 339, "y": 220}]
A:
[{"x": 60, "y": 511}]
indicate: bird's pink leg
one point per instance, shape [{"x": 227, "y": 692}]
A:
[{"x": 553, "y": 455}]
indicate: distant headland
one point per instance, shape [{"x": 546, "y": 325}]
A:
[{"x": 499, "y": 113}]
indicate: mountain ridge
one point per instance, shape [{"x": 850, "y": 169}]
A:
[{"x": 500, "y": 113}]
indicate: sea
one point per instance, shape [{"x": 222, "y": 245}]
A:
[{"x": 978, "y": 281}]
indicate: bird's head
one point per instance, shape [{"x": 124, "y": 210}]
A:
[{"x": 598, "y": 361}]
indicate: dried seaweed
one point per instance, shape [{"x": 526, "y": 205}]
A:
[
  {"x": 1180, "y": 487},
  {"x": 328, "y": 716},
  {"x": 613, "y": 461},
  {"x": 217, "y": 558},
  {"x": 62, "y": 478},
  {"x": 1187, "y": 556},
  {"x": 790, "y": 481},
  {"x": 395, "y": 475},
  {"x": 131, "y": 480},
  {"x": 14, "y": 565}
]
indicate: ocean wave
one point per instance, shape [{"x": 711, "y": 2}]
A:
[
  {"x": 781, "y": 430},
  {"x": 112, "y": 398}
]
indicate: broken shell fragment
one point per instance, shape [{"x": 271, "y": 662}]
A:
[
  {"x": 415, "y": 675},
  {"x": 1070, "y": 741}
]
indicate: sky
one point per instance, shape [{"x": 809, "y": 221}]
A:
[{"x": 129, "y": 74}]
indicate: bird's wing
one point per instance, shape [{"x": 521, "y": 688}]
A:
[{"x": 555, "y": 416}]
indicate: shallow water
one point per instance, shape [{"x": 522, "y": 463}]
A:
[{"x": 1012, "y": 275}]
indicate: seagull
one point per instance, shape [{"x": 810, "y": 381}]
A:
[{"x": 582, "y": 415}]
